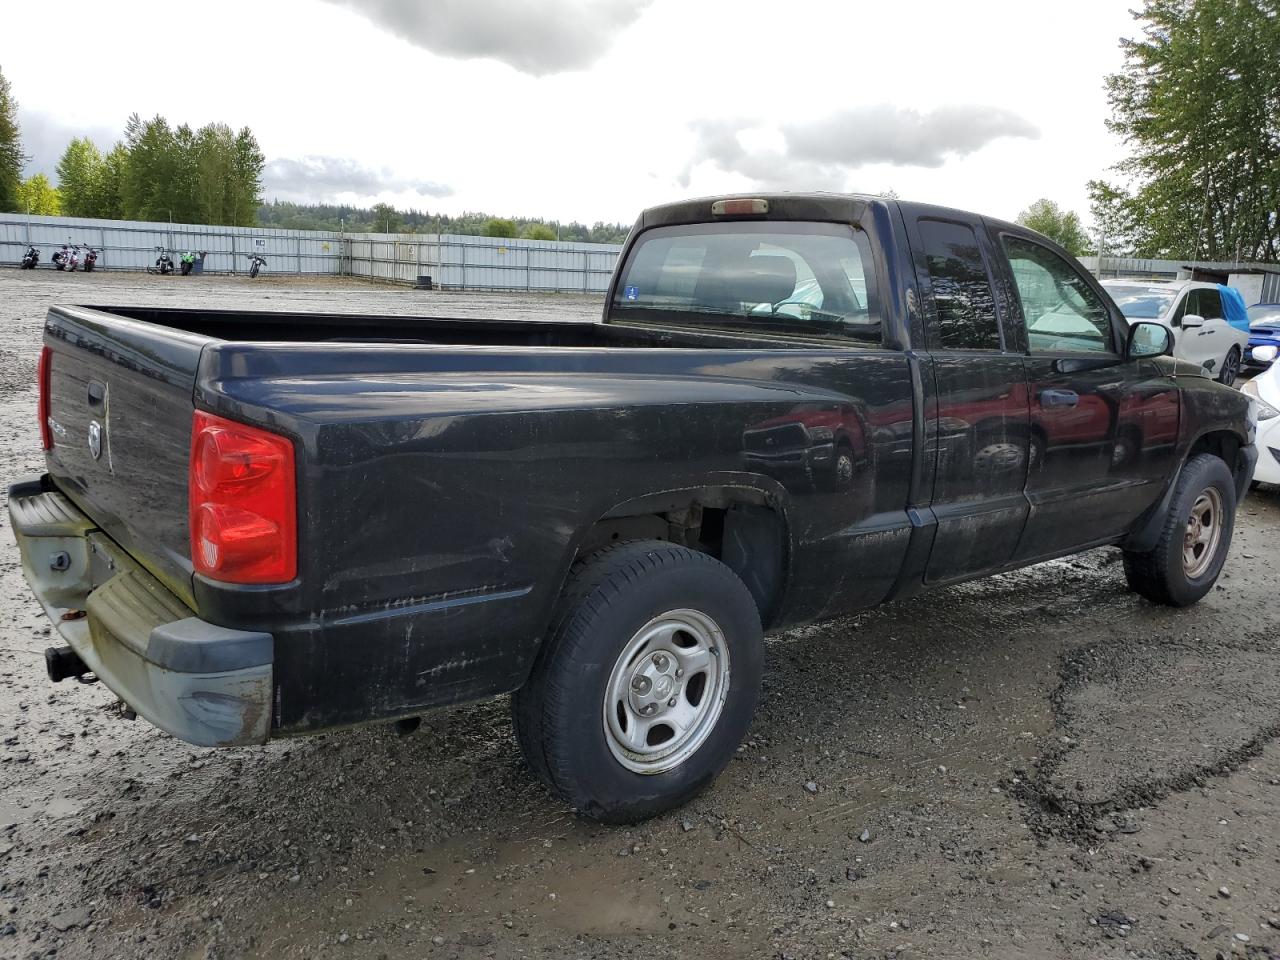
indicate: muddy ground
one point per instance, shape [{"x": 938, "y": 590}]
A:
[{"x": 1035, "y": 765}]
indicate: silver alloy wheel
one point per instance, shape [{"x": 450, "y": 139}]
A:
[
  {"x": 1230, "y": 367},
  {"x": 666, "y": 691},
  {"x": 1204, "y": 531}
]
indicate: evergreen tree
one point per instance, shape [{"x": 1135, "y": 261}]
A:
[{"x": 12, "y": 159}]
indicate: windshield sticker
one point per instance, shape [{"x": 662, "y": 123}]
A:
[{"x": 631, "y": 293}]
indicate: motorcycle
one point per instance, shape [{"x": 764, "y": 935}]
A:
[
  {"x": 256, "y": 263},
  {"x": 74, "y": 260},
  {"x": 163, "y": 264},
  {"x": 90, "y": 259},
  {"x": 62, "y": 257},
  {"x": 189, "y": 260},
  {"x": 30, "y": 259}
]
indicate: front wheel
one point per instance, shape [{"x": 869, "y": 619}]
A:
[
  {"x": 1193, "y": 545},
  {"x": 1230, "y": 367},
  {"x": 647, "y": 682}
]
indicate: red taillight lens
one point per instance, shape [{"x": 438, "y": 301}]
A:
[
  {"x": 42, "y": 405},
  {"x": 243, "y": 506}
]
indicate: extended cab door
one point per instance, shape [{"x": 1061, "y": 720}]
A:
[
  {"x": 1103, "y": 429},
  {"x": 977, "y": 430}
]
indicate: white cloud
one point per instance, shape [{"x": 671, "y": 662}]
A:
[
  {"x": 551, "y": 36},
  {"x": 316, "y": 178}
]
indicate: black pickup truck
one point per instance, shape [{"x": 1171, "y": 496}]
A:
[{"x": 259, "y": 525}]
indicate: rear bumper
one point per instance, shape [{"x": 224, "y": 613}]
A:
[{"x": 202, "y": 683}]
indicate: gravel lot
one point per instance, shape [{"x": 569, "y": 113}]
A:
[{"x": 1034, "y": 765}]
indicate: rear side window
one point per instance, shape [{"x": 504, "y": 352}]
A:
[
  {"x": 963, "y": 303},
  {"x": 1061, "y": 310},
  {"x": 779, "y": 277}
]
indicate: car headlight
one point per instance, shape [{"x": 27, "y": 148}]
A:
[{"x": 1261, "y": 409}]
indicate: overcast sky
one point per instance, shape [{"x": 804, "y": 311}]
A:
[{"x": 592, "y": 109}]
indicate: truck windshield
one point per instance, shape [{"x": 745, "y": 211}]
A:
[
  {"x": 806, "y": 279},
  {"x": 1138, "y": 302}
]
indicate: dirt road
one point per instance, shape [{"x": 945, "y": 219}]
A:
[{"x": 1036, "y": 765}]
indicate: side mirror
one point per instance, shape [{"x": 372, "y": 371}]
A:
[
  {"x": 1193, "y": 320},
  {"x": 1265, "y": 354},
  {"x": 1149, "y": 340}
]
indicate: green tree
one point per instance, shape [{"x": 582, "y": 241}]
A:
[
  {"x": 1196, "y": 101},
  {"x": 12, "y": 159},
  {"x": 246, "y": 179},
  {"x": 1112, "y": 210},
  {"x": 109, "y": 196},
  {"x": 538, "y": 231},
  {"x": 386, "y": 219},
  {"x": 36, "y": 195},
  {"x": 78, "y": 174},
  {"x": 498, "y": 227},
  {"x": 1061, "y": 226}
]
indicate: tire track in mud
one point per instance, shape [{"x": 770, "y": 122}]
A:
[{"x": 1055, "y": 807}]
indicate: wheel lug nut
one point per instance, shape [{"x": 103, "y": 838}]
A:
[
  {"x": 660, "y": 661},
  {"x": 679, "y": 673},
  {"x": 640, "y": 684},
  {"x": 671, "y": 702},
  {"x": 648, "y": 708}
]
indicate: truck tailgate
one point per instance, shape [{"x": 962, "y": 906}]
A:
[{"x": 120, "y": 406}]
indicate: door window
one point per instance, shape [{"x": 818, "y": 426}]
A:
[
  {"x": 963, "y": 303},
  {"x": 1207, "y": 303},
  {"x": 1061, "y": 311}
]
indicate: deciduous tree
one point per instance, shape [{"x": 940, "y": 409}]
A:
[
  {"x": 36, "y": 195},
  {"x": 1061, "y": 226},
  {"x": 1198, "y": 102}
]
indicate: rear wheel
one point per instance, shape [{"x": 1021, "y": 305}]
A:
[
  {"x": 1230, "y": 367},
  {"x": 647, "y": 683},
  {"x": 1193, "y": 545}
]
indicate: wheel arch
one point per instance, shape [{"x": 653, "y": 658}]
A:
[{"x": 743, "y": 525}]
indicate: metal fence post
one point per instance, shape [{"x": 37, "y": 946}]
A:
[
  {"x": 297, "y": 247},
  {"x": 586, "y": 270}
]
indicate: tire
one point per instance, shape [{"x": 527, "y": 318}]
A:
[
  {"x": 1230, "y": 367},
  {"x": 567, "y": 714},
  {"x": 1167, "y": 574}
]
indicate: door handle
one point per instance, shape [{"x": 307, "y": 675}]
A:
[
  {"x": 97, "y": 394},
  {"x": 1059, "y": 398}
]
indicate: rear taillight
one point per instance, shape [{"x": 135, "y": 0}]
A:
[
  {"x": 42, "y": 405},
  {"x": 243, "y": 507}
]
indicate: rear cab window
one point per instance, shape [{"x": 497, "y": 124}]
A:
[
  {"x": 964, "y": 308},
  {"x": 806, "y": 280}
]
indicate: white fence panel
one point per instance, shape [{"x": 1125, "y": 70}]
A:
[{"x": 452, "y": 261}]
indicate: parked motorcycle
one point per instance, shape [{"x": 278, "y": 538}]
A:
[
  {"x": 256, "y": 263},
  {"x": 189, "y": 260},
  {"x": 30, "y": 259},
  {"x": 163, "y": 264},
  {"x": 62, "y": 257},
  {"x": 90, "y": 259}
]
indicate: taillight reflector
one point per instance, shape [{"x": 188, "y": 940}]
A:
[
  {"x": 242, "y": 502},
  {"x": 42, "y": 404}
]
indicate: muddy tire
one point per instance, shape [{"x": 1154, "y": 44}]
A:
[
  {"x": 1186, "y": 561},
  {"x": 646, "y": 684}
]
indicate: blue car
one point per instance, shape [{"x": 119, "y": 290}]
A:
[{"x": 1264, "y": 331}]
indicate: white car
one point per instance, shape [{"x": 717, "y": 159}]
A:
[
  {"x": 1193, "y": 311},
  {"x": 1265, "y": 391}
]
